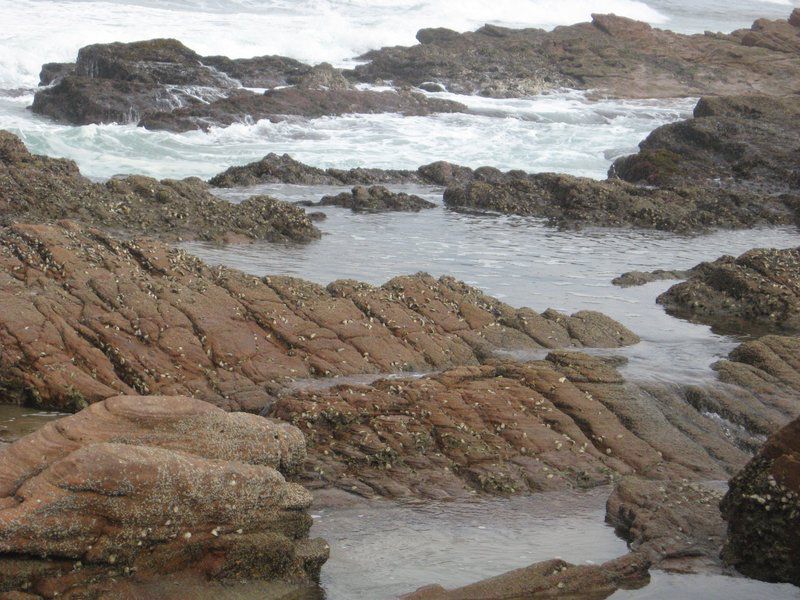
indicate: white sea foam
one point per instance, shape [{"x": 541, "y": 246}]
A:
[{"x": 560, "y": 132}]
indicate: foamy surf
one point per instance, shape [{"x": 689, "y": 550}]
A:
[{"x": 557, "y": 132}]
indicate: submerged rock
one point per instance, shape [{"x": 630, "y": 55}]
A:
[
  {"x": 376, "y": 199},
  {"x": 549, "y": 579},
  {"x": 133, "y": 489},
  {"x": 87, "y": 317},
  {"x": 759, "y": 290},
  {"x": 162, "y": 84},
  {"x": 612, "y": 56},
  {"x": 762, "y": 509},
  {"x": 37, "y": 188},
  {"x": 636, "y": 278}
]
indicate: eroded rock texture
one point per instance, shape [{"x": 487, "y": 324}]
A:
[
  {"x": 135, "y": 488},
  {"x": 36, "y": 188},
  {"x": 759, "y": 289},
  {"x": 674, "y": 525},
  {"x": 86, "y": 317},
  {"x": 567, "y": 421},
  {"x": 762, "y": 509},
  {"x": 615, "y": 56}
]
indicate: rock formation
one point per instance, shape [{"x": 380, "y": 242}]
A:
[
  {"x": 87, "y": 317},
  {"x": 37, "y": 188},
  {"x": 162, "y": 84},
  {"x": 376, "y": 199},
  {"x": 762, "y": 509},
  {"x": 284, "y": 169},
  {"x": 636, "y": 278},
  {"x": 549, "y": 579},
  {"x": 569, "y": 421},
  {"x": 568, "y": 201},
  {"x": 613, "y": 56},
  {"x": 133, "y": 489},
  {"x": 741, "y": 143},
  {"x": 759, "y": 290},
  {"x": 733, "y": 165}
]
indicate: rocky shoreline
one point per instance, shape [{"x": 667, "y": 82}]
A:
[
  {"x": 210, "y": 405},
  {"x": 36, "y": 189}
]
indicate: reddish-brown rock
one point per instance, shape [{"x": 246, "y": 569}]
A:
[
  {"x": 568, "y": 421},
  {"x": 549, "y": 579},
  {"x": 87, "y": 317},
  {"x": 136, "y": 488}
]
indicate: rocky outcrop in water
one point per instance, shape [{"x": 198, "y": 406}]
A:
[
  {"x": 742, "y": 143},
  {"x": 36, "y": 188},
  {"x": 758, "y": 290},
  {"x": 733, "y": 165},
  {"x": 762, "y": 509},
  {"x": 570, "y": 421},
  {"x": 549, "y": 579},
  {"x": 568, "y": 201},
  {"x": 87, "y": 317},
  {"x": 637, "y": 278},
  {"x": 284, "y": 169},
  {"x": 675, "y": 525},
  {"x": 613, "y": 56},
  {"x": 376, "y": 199},
  {"x": 134, "y": 489},
  {"x": 162, "y": 84}
]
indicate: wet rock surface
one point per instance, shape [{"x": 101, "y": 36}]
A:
[
  {"x": 568, "y": 201},
  {"x": 87, "y": 317},
  {"x": 376, "y": 199},
  {"x": 733, "y": 165},
  {"x": 636, "y": 278},
  {"x": 277, "y": 105},
  {"x": 549, "y": 579},
  {"x": 284, "y": 169},
  {"x": 675, "y": 525},
  {"x": 162, "y": 84},
  {"x": 758, "y": 290},
  {"x": 135, "y": 488},
  {"x": 613, "y": 56},
  {"x": 762, "y": 511},
  {"x": 569, "y": 421},
  {"x": 741, "y": 143},
  {"x": 37, "y": 188}
]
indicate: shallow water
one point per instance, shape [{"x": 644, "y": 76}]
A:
[
  {"x": 707, "y": 587},
  {"x": 18, "y": 421},
  {"x": 385, "y": 550},
  {"x": 520, "y": 260}
]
